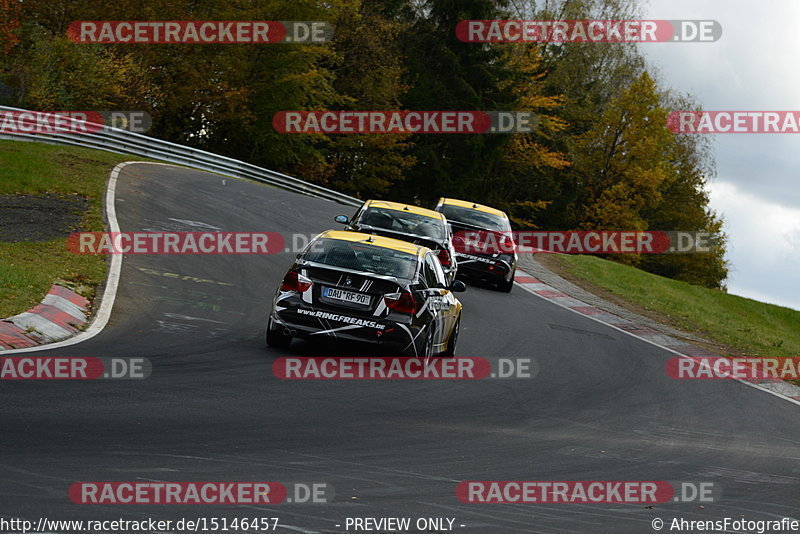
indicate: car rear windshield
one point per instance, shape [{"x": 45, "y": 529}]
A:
[
  {"x": 474, "y": 217},
  {"x": 360, "y": 256},
  {"x": 404, "y": 221}
]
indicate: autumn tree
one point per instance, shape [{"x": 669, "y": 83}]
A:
[
  {"x": 623, "y": 160},
  {"x": 598, "y": 157},
  {"x": 684, "y": 205},
  {"x": 9, "y": 24},
  {"x": 447, "y": 74},
  {"x": 586, "y": 77},
  {"x": 52, "y": 74},
  {"x": 515, "y": 184},
  {"x": 369, "y": 75}
]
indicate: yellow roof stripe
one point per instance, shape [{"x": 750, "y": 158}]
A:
[
  {"x": 479, "y": 207},
  {"x": 377, "y": 241},
  {"x": 396, "y": 206}
]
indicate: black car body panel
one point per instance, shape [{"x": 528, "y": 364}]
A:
[
  {"x": 382, "y": 218},
  {"x": 345, "y": 303}
]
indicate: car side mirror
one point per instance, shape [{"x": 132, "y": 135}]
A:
[
  {"x": 457, "y": 286},
  {"x": 341, "y": 219}
]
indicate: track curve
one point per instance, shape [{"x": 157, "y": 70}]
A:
[{"x": 601, "y": 407}]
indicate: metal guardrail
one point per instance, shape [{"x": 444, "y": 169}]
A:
[{"x": 119, "y": 141}]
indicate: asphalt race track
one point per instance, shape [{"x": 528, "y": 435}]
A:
[{"x": 600, "y": 408}]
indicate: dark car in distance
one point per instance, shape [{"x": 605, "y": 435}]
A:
[{"x": 496, "y": 265}]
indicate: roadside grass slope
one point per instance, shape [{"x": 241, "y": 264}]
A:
[
  {"x": 28, "y": 269},
  {"x": 752, "y": 327}
]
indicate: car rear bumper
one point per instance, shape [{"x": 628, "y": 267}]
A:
[
  {"x": 485, "y": 268},
  {"x": 310, "y": 323}
]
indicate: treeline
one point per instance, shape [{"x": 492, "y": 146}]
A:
[{"x": 599, "y": 158}]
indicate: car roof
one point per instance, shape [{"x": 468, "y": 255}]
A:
[
  {"x": 375, "y": 241},
  {"x": 472, "y": 205},
  {"x": 397, "y": 206}
]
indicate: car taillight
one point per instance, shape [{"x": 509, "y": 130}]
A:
[
  {"x": 294, "y": 281},
  {"x": 498, "y": 267},
  {"x": 444, "y": 257},
  {"x": 401, "y": 302},
  {"x": 507, "y": 244}
]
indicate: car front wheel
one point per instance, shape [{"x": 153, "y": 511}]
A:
[
  {"x": 427, "y": 349},
  {"x": 450, "y": 352}
]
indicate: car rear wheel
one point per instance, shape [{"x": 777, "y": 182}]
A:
[
  {"x": 506, "y": 287},
  {"x": 451, "y": 343},
  {"x": 275, "y": 336}
]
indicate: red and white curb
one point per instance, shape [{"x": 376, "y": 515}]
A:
[
  {"x": 681, "y": 348},
  {"x": 61, "y": 314}
]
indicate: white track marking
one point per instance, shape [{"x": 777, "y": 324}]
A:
[{"x": 705, "y": 364}]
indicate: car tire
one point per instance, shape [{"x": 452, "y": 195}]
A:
[
  {"x": 427, "y": 349},
  {"x": 451, "y": 343},
  {"x": 276, "y": 338},
  {"x": 506, "y": 287}
]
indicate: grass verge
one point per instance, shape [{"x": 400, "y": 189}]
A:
[
  {"x": 28, "y": 269},
  {"x": 747, "y": 326}
]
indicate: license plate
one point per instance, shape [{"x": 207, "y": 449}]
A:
[{"x": 346, "y": 296}]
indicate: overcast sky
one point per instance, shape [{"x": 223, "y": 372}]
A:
[{"x": 754, "y": 66}]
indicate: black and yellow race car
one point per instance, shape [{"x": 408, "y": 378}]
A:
[
  {"x": 361, "y": 287},
  {"x": 407, "y": 222},
  {"x": 496, "y": 263}
]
